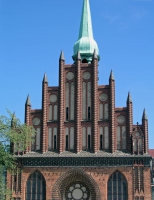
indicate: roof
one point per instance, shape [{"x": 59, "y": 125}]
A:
[{"x": 67, "y": 154}]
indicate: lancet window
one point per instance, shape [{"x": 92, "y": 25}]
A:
[
  {"x": 86, "y": 138},
  {"x": 104, "y": 138},
  {"x": 69, "y": 97},
  {"x": 103, "y": 106},
  {"x": 69, "y": 139},
  {"x": 52, "y": 139},
  {"x": 137, "y": 142},
  {"x": 36, "y": 144},
  {"x": 121, "y": 137},
  {"x": 53, "y": 108},
  {"x": 86, "y": 96},
  {"x": 36, "y": 187},
  {"x": 117, "y": 187}
]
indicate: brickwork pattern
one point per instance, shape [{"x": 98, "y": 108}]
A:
[
  {"x": 129, "y": 119},
  {"x": 78, "y": 136},
  {"x": 61, "y": 138},
  {"x": 112, "y": 115},
  {"x": 95, "y": 105},
  {"x": 95, "y": 179}
]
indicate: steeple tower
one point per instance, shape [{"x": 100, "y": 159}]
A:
[{"x": 86, "y": 43}]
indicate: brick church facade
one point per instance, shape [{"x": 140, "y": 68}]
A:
[{"x": 84, "y": 148}]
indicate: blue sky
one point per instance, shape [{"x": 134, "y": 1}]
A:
[{"x": 33, "y": 32}]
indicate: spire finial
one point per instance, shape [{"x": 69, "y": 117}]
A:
[
  {"x": 62, "y": 56},
  {"x": 28, "y": 101},
  {"x": 129, "y": 99},
  {"x": 111, "y": 76},
  {"x": 144, "y": 116},
  {"x": 45, "y": 79},
  {"x": 86, "y": 29},
  {"x": 86, "y": 43}
]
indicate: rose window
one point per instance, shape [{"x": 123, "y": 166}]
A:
[{"x": 77, "y": 191}]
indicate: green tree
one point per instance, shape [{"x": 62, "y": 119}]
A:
[{"x": 14, "y": 137}]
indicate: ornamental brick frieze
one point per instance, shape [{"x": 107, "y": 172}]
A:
[{"x": 82, "y": 161}]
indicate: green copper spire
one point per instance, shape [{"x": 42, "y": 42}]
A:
[{"x": 86, "y": 43}]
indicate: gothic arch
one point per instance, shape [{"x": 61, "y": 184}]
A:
[
  {"x": 117, "y": 170},
  {"x": 36, "y": 186},
  {"x": 71, "y": 176},
  {"x": 117, "y": 186}
]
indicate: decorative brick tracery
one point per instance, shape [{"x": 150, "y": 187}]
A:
[{"x": 71, "y": 176}]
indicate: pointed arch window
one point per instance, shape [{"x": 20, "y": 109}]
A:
[
  {"x": 36, "y": 187},
  {"x": 117, "y": 187}
]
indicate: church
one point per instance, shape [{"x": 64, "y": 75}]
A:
[{"x": 84, "y": 148}]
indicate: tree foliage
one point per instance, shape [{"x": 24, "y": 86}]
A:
[{"x": 14, "y": 137}]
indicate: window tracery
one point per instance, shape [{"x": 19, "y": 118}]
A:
[
  {"x": 36, "y": 187},
  {"x": 117, "y": 187},
  {"x": 77, "y": 191}
]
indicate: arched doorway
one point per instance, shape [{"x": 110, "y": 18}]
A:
[
  {"x": 36, "y": 187},
  {"x": 117, "y": 187}
]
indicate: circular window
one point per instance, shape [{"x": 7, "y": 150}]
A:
[
  {"x": 53, "y": 98},
  {"x": 70, "y": 75},
  {"x": 77, "y": 191},
  {"x": 103, "y": 97},
  {"x": 120, "y": 119},
  {"x": 86, "y": 75},
  {"x": 36, "y": 121}
]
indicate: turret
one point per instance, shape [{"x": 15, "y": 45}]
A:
[
  {"x": 61, "y": 135},
  {"x": 27, "y": 110},
  {"x": 145, "y": 131},
  {"x": 112, "y": 111},
  {"x": 129, "y": 121}
]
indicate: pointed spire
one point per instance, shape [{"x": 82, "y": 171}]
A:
[
  {"x": 144, "y": 116},
  {"x": 129, "y": 99},
  {"x": 78, "y": 56},
  {"x": 45, "y": 79},
  {"x": 28, "y": 101},
  {"x": 86, "y": 23},
  {"x": 111, "y": 76},
  {"x": 86, "y": 43},
  {"x": 95, "y": 54},
  {"x": 62, "y": 56}
]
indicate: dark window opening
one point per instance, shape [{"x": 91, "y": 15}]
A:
[
  {"x": 89, "y": 142},
  {"x": 101, "y": 139},
  {"x": 88, "y": 113},
  {"x": 67, "y": 113},
  {"x": 117, "y": 187},
  {"x": 66, "y": 142},
  {"x": 55, "y": 143},
  {"x": 84, "y": 61},
  {"x": 36, "y": 187}
]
